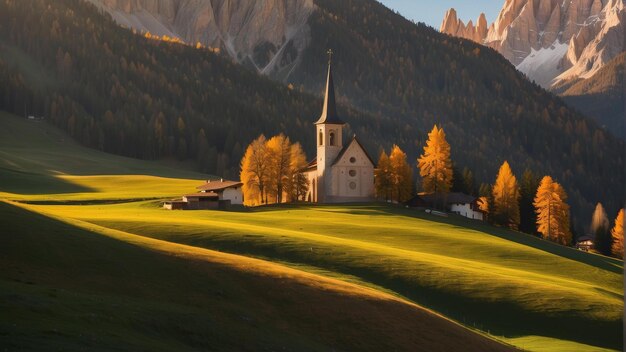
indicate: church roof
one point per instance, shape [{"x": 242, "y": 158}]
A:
[
  {"x": 329, "y": 111},
  {"x": 345, "y": 148}
]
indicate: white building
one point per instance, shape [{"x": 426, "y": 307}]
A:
[
  {"x": 457, "y": 203},
  {"x": 227, "y": 191},
  {"x": 340, "y": 173}
]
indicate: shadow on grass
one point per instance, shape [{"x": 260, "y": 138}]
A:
[
  {"x": 498, "y": 318},
  {"x": 12, "y": 181}
]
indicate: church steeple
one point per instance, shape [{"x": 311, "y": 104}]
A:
[{"x": 329, "y": 111}]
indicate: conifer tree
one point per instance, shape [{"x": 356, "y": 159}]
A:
[
  {"x": 506, "y": 198},
  {"x": 435, "y": 164},
  {"x": 553, "y": 220},
  {"x": 617, "y": 249},
  {"x": 401, "y": 175},
  {"x": 382, "y": 177},
  {"x": 528, "y": 189},
  {"x": 600, "y": 228}
]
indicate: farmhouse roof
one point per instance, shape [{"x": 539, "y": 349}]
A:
[
  {"x": 202, "y": 195},
  {"x": 218, "y": 185},
  {"x": 329, "y": 111}
]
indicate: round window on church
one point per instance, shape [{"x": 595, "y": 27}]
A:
[
  {"x": 352, "y": 173},
  {"x": 353, "y": 160},
  {"x": 352, "y": 185}
]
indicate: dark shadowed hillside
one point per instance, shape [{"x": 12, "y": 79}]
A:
[
  {"x": 602, "y": 96},
  {"x": 122, "y": 93}
]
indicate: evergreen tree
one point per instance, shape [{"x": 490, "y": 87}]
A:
[
  {"x": 435, "y": 164},
  {"x": 506, "y": 198},
  {"x": 297, "y": 183},
  {"x": 553, "y": 220},
  {"x": 382, "y": 177},
  {"x": 617, "y": 249},
  {"x": 528, "y": 189}
]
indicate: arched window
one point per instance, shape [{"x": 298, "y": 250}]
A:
[
  {"x": 332, "y": 138},
  {"x": 321, "y": 138}
]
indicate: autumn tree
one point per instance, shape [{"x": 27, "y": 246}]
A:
[
  {"x": 401, "y": 175},
  {"x": 255, "y": 172},
  {"x": 279, "y": 157},
  {"x": 434, "y": 164},
  {"x": 297, "y": 183},
  {"x": 382, "y": 177},
  {"x": 553, "y": 220},
  {"x": 617, "y": 249},
  {"x": 506, "y": 196},
  {"x": 600, "y": 228}
]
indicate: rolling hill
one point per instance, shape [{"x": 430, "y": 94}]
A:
[
  {"x": 78, "y": 272},
  {"x": 122, "y": 93}
]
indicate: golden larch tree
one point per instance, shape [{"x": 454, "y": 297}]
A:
[
  {"x": 254, "y": 172},
  {"x": 506, "y": 196},
  {"x": 401, "y": 175},
  {"x": 435, "y": 164},
  {"x": 279, "y": 156},
  {"x": 553, "y": 219},
  {"x": 382, "y": 177},
  {"x": 617, "y": 249}
]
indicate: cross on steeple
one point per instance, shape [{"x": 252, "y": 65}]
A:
[{"x": 329, "y": 111}]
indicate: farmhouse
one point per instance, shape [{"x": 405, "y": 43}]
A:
[
  {"x": 211, "y": 195},
  {"x": 455, "y": 202},
  {"x": 339, "y": 173},
  {"x": 226, "y": 191}
]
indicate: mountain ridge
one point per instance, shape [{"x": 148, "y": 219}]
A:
[{"x": 589, "y": 34}]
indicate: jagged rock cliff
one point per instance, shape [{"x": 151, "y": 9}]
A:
[
  {"x": 268, "y": 35},
  {"x": 552, "y": 41}
]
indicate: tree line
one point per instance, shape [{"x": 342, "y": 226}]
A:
[{"x": 536, "y": 206}]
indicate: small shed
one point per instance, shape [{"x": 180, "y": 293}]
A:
[
  {"x": 202, "y": 201},
  {"x": 176, "y": 204}
]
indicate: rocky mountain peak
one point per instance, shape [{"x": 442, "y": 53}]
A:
[{"x": 551, "y": 41}]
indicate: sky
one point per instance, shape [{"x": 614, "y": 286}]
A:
[{"x": 431, "y": 12}]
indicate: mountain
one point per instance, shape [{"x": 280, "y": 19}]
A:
[
  {"x": 551, "y": 41},
  {"x": 268, "y": 36},
  {"x": 123, "y": 93}
]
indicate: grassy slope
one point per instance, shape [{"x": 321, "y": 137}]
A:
[
  {"x": 74, "y": 286},
  {"x": 39, "y": 162},
  {"x": 528, "y": 292},
  {"x": 506, "y": 283}
]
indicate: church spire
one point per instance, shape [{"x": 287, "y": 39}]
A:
[{"x": 329, "y": 111}]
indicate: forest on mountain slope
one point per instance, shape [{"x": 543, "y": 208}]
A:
[
  {"x": 123, "y": 93},
  {"x": 602, "y": 96}
]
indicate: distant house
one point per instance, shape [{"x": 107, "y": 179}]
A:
[
  {"x": 226, "y": 191},
  {"x": 211, "y": 195},
  {"x": 584, "y": 243},
  {"x": 455, "y": 202}
]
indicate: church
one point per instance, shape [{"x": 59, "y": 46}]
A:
[{"x": 340, "y": 173}]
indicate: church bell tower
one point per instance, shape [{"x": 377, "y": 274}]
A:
[{"x": 328, "y": 130}]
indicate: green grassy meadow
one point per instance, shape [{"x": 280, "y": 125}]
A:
[{"x": 87, "y": 242}]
